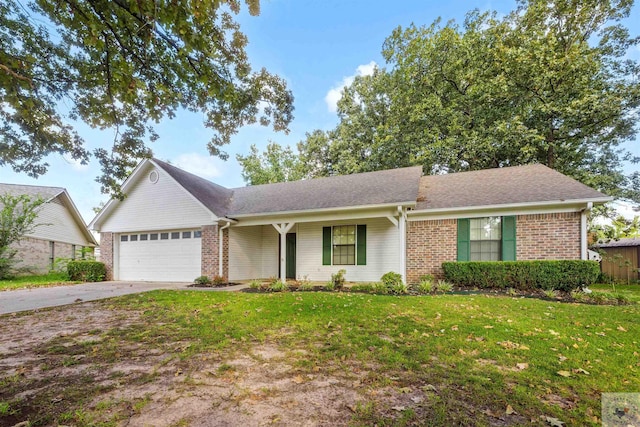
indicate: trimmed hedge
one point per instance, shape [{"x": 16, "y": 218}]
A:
[
  {"x": 562, "y": 275},
  {"x": 86, "y": 271}
]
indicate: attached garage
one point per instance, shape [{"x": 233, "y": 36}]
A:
[{"x": 167, "y": 256}]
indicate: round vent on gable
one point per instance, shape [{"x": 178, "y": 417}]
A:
[{"x": 154, "y": 176}]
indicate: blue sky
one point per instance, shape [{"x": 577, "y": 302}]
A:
[{"x": 316, "y": 46}]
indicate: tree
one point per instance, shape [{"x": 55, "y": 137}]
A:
[
  {"x": 17, "y": 219},
  {"x": 619, "y": 228},
  {"x": 124, "y": 66},
  {"x": 276, "y": 164},
  {"x": 549, "y": 83}
]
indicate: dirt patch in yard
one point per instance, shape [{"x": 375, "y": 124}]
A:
[{"x": 68, "y": 366}]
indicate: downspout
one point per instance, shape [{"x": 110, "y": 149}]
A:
[
  {"x": 220, "y": 247},
  {"x": 583, "y": 230},
  {"x": 402, "y": 224}
]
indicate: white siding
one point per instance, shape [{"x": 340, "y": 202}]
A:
[
  {"x": 253, "y": 252},
  {"x": 382, "y": 251},
  {"x": 245, "y": 257},
  {"x": 270, "y": 251},
  {"x": 159, "y": 206},
  {"x": 58, "y": 225}
]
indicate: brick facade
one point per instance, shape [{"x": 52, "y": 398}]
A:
[
  {"x": 540, "y": 236},
  {"x": 429, "y": 244},
  {"x": 210, "y": 251},
  {"x": 34, "y": 255},
  {"x": 209, "y": 254},
  {"x": 106, "y": 253},
  {"x": 548, "y": 236}
]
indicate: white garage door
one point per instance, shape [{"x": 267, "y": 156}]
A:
[{"x": 167, "y": 256}]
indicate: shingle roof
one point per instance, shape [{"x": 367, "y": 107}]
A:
[
  {"x": 215, "y": 197},
  {"x": 628, "y": 241},
  {"x": 510, "y": 185},
  {"x": 46, "y": 193},
  {"x": 369, "y": 188}
]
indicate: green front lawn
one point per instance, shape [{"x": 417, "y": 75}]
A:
[
  {"x": 412, "y": 360},
  {"x": 482, "y": 354},
  {"x": 51, "y": 279},
  {"x": 632, "y": 292}
]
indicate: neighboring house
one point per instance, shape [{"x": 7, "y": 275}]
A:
[
  {"x": 60, "y": 232},
  {"x": 621, "y": 258},
  {"x": 176, "y": 226}
]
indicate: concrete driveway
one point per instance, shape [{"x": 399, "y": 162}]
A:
[{"x": 32, "y": 299}]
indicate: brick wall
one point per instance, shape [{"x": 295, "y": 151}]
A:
[
  {"x": 548, "y": 236},
  {"x": 106, "y": 253},
  {"x": 34, "y": 255},
  {"x": 541, "y": 236},
  {"x": 209, "y": 254},
  {"x": 429, "y": 244}
]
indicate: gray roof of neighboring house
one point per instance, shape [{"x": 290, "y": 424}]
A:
[
  {"x": 625, "y": 242},
  {"x": 501, "y": 186},
  {"x": 215, "y": 197},
  {"x": 46, "y": 193},
  {"x": 370, "y": 188}
]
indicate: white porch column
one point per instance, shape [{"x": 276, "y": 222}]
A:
[
  {"x": 402, "y": 227},
  {"x": 583, "y": 231},
  {"x": 221, "y": 247},
  {"x": 283, "y": 229}
]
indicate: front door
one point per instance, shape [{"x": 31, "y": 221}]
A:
[{"x": 291, "y": 256}]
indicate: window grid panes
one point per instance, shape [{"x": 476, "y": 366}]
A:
[
  {"x": 144, "y": 237},
  {"x": 164, "y": 236},
  {"x": 175, "y": 235},
  {"x": 344, "y": 245},
  {"x": 153, "y": 236},
  {"x": 134, "y": 237},
  {"x": 485, "y": 239},
  {"x": 124, "y": 238},
  {"x": 197, "y": 234},
  {"x": 186, "y": 234}
]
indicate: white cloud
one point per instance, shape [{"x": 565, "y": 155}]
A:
[
  {"x": 204, "y": 166},
  {"x": 335, "y": 93},
  {"x": 75, "y": 164}
]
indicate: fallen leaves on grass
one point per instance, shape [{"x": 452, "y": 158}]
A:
[
  {"x": 554, "y": 422},
  {"x": 564, "y": 373}
]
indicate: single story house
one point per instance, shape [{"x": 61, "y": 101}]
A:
[
  {"x": 176, "y": 226},
  {"x": 621, "y": 258},
  {"x": 60, "y": 232}
]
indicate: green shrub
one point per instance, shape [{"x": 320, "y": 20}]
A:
[
  {"x": 444, "y": 286},
  {"x": 254, "y": 284},
  {"x": 338, "y": 279},
  {"x": 512, "y": 292},
  {"x": 425, "y": 287},
  {"x": 380, "y": 288},
  {"x": 563, "y": 275},
  {"x": 399, "y": 289},
  {"x": 427, "y": 278},
  {"x": 550, "y": 293},
  {"x": 278, "y": 286},
  {"x": 330, "y": 285},
  {"x": 391, "y": 279},
  {"x": 86, "y": 271},
  {"x": 202, "y": 280}
]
